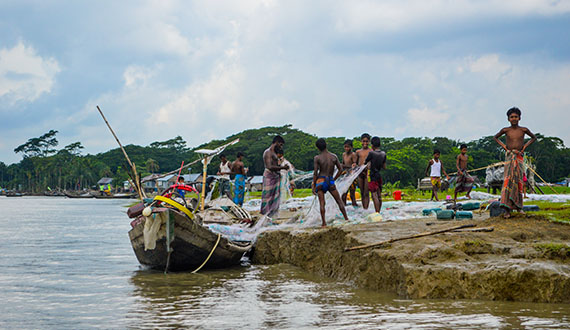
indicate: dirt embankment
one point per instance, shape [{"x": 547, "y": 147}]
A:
[{"x": 522, "y": 259}]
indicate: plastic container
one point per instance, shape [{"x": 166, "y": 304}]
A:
[
  {"x": 464, "y": 215},
  {"x": 471, "y": 206},
  {"x": 397, "y": 195},
  {"x": 430, "y": 211},
  {"x": 445, "y": 214},
  {"x": 530, "y": 208}
]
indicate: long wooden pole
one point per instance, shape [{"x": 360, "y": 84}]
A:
[
  {"x": 171, "y": 172},
  {"x": 533, "y": 171},
  {"x": 409, "y": 237},
  {"x": 204, "y": 174},
  {"x": 482, "y": 168},
  {"x": 137, "y": 184}
]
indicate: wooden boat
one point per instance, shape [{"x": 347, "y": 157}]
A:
[
  {"x": 118, "y": 196},
  {"x": 14, "y": 194},
  {"x": 192, "y": 245},
  {"x": 72, "y": 195}
]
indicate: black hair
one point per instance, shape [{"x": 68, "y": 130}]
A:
[
  {"x": 463, "y": 146},
  {"x": 278, "y": 139},
  {"x": 239, "y": 154},
  {"x": 375, "y": 142},
  {"x": 348, "y": 142},
  {"x": 222, "y": 156},
  {"x": 279, "y": 150},
  {"x": 436, "y": 151},
  {"x": 321, "y": 144},
  {"x": 365, "y": 136},
  {"x": 514, "y": 110}
]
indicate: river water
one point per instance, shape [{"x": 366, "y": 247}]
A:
[{"x": 68, "y": 264}]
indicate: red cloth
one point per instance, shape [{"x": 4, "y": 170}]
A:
[{"x": 375, "y": 185}]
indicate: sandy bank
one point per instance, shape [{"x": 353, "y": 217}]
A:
[{"x": 523, "y": 259}]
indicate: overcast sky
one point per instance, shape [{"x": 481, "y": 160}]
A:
[{"x": 209, "y": 69}]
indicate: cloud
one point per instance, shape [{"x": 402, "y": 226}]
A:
[
  {"x": 365, "y": 16},
  {"x": 25, "y": 76}
]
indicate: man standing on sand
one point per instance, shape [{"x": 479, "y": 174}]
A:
[
  {"x": 349, "y": 161},
  {"x": 376, "y": 161},
  {"x": 464, "y": 180},
  {"x": 323, "y": 180},
  {"x": 512, "y": 192},
  {"x": 361, "y": 155},
  {"x": 270, "y": 195},
  {"x": 239, "y": 185}
]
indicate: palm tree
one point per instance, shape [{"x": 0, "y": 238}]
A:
[{"x": 152, "y": 165}]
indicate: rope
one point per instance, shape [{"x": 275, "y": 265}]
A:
[
  {"x": 482, "y": 168},
  {"x": 205, "y": 261}
]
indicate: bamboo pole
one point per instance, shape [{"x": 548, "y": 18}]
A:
[
  {"x": 409, "y": 237},
  {"x": 533, "y": 171},
  {"x": 137, "y": 181},
  {"x": 172, "y": 172},
  {"x": 204, "y": 174},
  {"x": 482, "y": 168}
]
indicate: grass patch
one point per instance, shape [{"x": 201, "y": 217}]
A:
[
  {"x": 553, "y": 250},
  {"x": 555, "y": 212}
]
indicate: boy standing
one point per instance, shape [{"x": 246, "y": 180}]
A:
[
  {"x": 323, "y": 180},
  {"x": 363, "y": 177},
  {"x": 435, "y": 174},
  {"x": 511, "y": 194},
  {"x": 349, "y": 160},
  {"x": 239, "y": 183},
  {"x": 376, "y": 161},
  {"x": 464, "y": 180}
]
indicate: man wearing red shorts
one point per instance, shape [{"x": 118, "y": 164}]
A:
[{"x": 376, "y": 161}]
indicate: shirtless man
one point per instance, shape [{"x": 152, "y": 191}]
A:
[
  {"x": 464, "y": 180},
  {"x": 271, "y": 178},
  {"x": 239, "y": 184},
  {"x": 511, "y": 194},
  {"x": 363, "y": 177},
  {"x": 349, "y": 161},
  {"x": 323, "y": 180}
]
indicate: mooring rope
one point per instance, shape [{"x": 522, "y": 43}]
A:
[{"x": 211, "y": 252}]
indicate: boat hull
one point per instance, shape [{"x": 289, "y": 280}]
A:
[{"x": 190, "y": 248}]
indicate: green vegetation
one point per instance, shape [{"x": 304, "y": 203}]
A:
[
  {"x": 44, "y": 166},
  {"x": 555, "y": 212}
]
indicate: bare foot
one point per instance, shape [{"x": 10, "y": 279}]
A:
[
  {"x": 506, "y": 215},
  {"x": 522, "y": 212},
  {"x": 468, "y": 197},
  {"x": 324, "y": 224}
]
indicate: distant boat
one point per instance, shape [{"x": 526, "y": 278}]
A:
[
  {"x": 119, "y": 196},
  {"x": 14, "y": 194},
  {"x": 73, "y": 195}
]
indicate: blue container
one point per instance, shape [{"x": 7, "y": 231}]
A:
[
  {"x": 430, "y": 211},
  {"x": 463, "y": 215}
]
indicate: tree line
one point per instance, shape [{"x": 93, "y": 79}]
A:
[{"x": 43, "y": 165}]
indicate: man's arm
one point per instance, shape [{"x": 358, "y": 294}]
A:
[
  {"x": 497, "y": 136},
  {"x": 315, "y": 173},
  {"x": 385, "y": 159},
  {"x": 337, "y": 164},
  {"x": 457, "y": 164},
  {"x": 531, "y": 141},
  {"x": 443, "y": 170},
  {"x": 427, "y": 168},
  {"x": 269, "y": 166}
]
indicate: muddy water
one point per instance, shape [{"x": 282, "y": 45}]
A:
[{"x": 68, "y": 264}]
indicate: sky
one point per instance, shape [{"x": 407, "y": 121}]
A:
[{"x": 209, "y": 69}]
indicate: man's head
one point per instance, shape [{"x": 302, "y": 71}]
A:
[
  {"x": 223, "y": 158},
  {"x": 463, "y": 148},
  {"x": 436, "y": 153},
  {"x": 365, "y": 139},
  {"x": 279, "y": 151},
  {"x": 239, "y": 155},
  {"x": 278, "y": 140},
  {"x": 348, "y": 145},
  {"x": 514, "y": 115},
  {"x": 375, "y": 141},
  {"x": 321, "y": 144}
]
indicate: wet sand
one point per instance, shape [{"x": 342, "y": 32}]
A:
[{"x": 525, "y": 258}]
